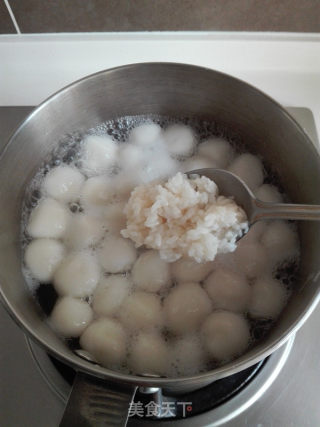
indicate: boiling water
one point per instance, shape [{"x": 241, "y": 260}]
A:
[{"x": 68, "y": 152}]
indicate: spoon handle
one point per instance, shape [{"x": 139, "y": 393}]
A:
[{"x": 265, "y": 210}]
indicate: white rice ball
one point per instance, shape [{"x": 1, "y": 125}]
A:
[
  {"x": 77, "y": 275},
  {"x": 186, "y": 307},
  {"x": 149, "y": 354},
  {"x": 150, "y": 272},
  {"x": 131, "y": 157},
  {"x": 249, "y": 168},
  {"x": 186, "y": 269},
  {"x": 114, "y": 218},
  {"x": 143, "y": 165},
  {"x": 99, "y": 154},
  {"x": 142, "y": 310},
  {"x": 268, "y": 298},
  {"x": 180, "y": 140},
  {"x": 252, "y": 259},
  {"x": 145, "y": 135},
  {"x": 63, "y": 183},
  {"x": 97, "y": 191},
  {"x": 188, "y": 356},
  {"x": 123, "y": 184},
  {"x": 117, "y": 255},
  {"x": 196, "y": 162},
  {"x": 83, "y": 231},
  {"x": 109, "y": 294},
  {"x": 42, "y": 257},
  {"x": 228, "y": 290},
  {"x": 280, "y": 241},
  {"x": 71, "y": 316},
  {"x": 218, "y": 150},
  {"x": 225, "y": 261},
  {"x": 159, "y": 166},
  {"x": 106, "y": 340},
  {"x": 49, "y": 219},
  {"x": 269, "y": 193},
  {"x": 225, "y": 335}
]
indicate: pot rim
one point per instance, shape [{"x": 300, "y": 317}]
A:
[{"x": 101, "y": 372}]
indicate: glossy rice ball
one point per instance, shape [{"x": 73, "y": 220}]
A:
[
  {"x": 249, "y": 168},
  {"x": 71, "y": 316},
  {"x": 97, "y": 192},
  {"x": 159, "y": 166},
  {"x": 252, "y": 259},
  {"x": 77, "y": 275},
  {"x": 269, "y": 193},
  {"x": 63, "y": 183},
  {"x": 117, "y": 254},
  {"x": 187, "y": 269},
  {"x": 225, "y": 335},
  {"x": 228, "y": 290},
  {"x": 99, "y": 154},
  {"x": 185, "y": 308},
  {"x": 140, "y": 165},
  {"x": 268, "y": 298},
  {"x": 83, "y": 231},
  {"x": 49, "y": 219},
  {"x": 141, "y": 310},
  {"x": 218, "y": 150},
  {"x": 225, "y": 261},
  {"x": 145, "y": 135},
  {"x": 123, "y": 184},
  {"x": 188, "y": 356},
  {"x": 280, "y": 241},
  {"x": 180, "y": 140},
  {"x": 42, "y": 257},
  {"x": 150, "y": 272},
  {"x": 131, "y": 156},
  {"x": 149, "y": 354},
  {"x": 109, "y": 294},
  {"x": 106, "y": 340},
  {"x": 114, "y": 218}
]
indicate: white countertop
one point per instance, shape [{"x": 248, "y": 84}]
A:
[{"x": 284, "y": 65}]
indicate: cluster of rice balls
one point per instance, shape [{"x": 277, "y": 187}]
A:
[{"x": 132, "y": 310}]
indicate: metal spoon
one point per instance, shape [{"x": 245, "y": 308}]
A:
[{"x": 231, "y": 186}]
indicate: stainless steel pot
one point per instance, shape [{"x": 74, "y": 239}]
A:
[{"x": 176, "y": 90}]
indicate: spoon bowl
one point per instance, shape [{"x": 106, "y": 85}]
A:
[{"x": 231, "y": 185}]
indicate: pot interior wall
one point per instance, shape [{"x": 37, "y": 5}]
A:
[{"x": 169, "y": 89}]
